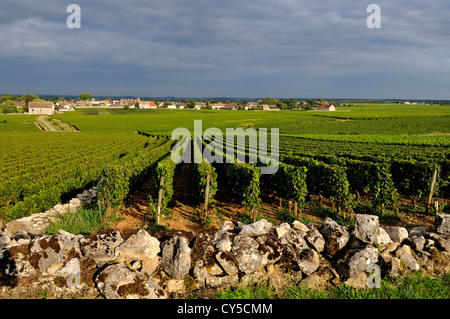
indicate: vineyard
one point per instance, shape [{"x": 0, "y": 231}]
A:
[
  {"x": 386, "y": 161},
  {"x": 38, "y": 172}
]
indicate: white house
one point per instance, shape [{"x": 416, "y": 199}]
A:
[
  {"x": 325, "y": 107},
  {"x": 217, "y": 106},
  {"x": 41, "y": 108}
]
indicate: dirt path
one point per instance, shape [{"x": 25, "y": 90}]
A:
[{"x": 42, "y": 119}]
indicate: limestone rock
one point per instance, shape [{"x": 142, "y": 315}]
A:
[
  {"x": 389, "y": 248},
  {"x": 47, "y": 250},
  {"x": 358, "y": 281},
  {"x": 397, "y": 234},
  {"x": 228, "y": 262},
  {"x": 442, "y": 224},
  {"x": 336, "y": 236},
  {"x": 272, "y": 244},
  {"x": 315, "y": 239},
  {"x": 404, "y": 253},
  {"x": 213, "y": 282},
  {"x": 308, "y": 261},
  {"x": 5, "y": 239},
  {"x": 419, "y": 231},
  {"x": 254, "y": 278},
  {"x": 33, "y": 225},
  {"x": 300, "y": 226},
  {"x": 257, "y": 228},
  {"x": 175, "y": 285},
  {"x": 228, "y": 225},
  {"x": 205, "y": 280},
  {"x": 282, "y": 229},
  {"x": 21, "y": 234},
  {"x": 249, "y": 254},
  {"x": 140, "y": 246},
  {"x": 118, "y": 282},
  {"x": 176, "y": 259},
  {"x": 442, "y": 241},
  {"x": 66, "y": 233},
  {"x": 14, "y": 261},
  {"x": 417, "y": 243},
  {"x": 224, "y": 244},
  {"x": 358, "y": 262},
  {"x": 383, "y": 237},
  {"x": 150, "y": 266},
  {"x": 294, "y": 237},
  {"x": 222, "y": 236},
  {"x": 101, "y": 248},
  {"x": 368, "y": 230},
  {"x": 72, "y": 272}
]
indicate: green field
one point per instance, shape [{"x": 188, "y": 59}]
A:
[{"x": 32, "y": 162}]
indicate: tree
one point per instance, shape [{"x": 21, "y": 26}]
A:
[
  {"x": 9, "y": 107},
  {"x": 27, "y": 98},
  {"x": 85, "y": 97},
  {"x": 136, "y": 105},
  {"x": 191, "y": 104},
  {"x": 287, "y": 104},
  {"x": 8, "y": 96},
  {"x": 268, "y": 101}
]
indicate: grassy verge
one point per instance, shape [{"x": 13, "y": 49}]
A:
[
  {"x": 85, "y": 221},
  {"x": 416, "y": 286}
]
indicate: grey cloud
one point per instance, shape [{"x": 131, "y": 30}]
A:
[{"x": 288, "y": 46}]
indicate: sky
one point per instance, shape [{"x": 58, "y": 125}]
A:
[{"x": 227, "y": 48}]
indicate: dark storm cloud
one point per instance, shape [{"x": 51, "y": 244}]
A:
[{"x": 231, "y": 48}]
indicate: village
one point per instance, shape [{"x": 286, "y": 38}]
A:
[{"x": 39, "y": 106}]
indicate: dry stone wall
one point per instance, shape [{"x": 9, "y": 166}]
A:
[
  {"x": 154, "y": 265},
  {"x": 35, "y": 224}
]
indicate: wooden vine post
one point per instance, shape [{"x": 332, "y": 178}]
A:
[
  {"x": 160, "y": 195},
  {"x": 254, "y": 212},
  {"x": 295, "y": 209},
  {"x": 205, "y": 205},
  {"x": 433, "y": 184}
]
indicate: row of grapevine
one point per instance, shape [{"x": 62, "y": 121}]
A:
[
  {"x": 205, "y": 177},
  {"x": 118, "y": 179},
  {"x": 304, "y": 147},
  {"x": 296, "y": 177},
  {"x": 388, "y": 177},
  {"x": 29, "y": 176},
  {"x": 374, "y": 178},
  {"x": 289, "y": 183},
  {"x": 243, "y": 179},
  {"x": 325, "y": 180},
  {"x": 43, "y": 186},
  {"x": 164, "y": 176}
]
